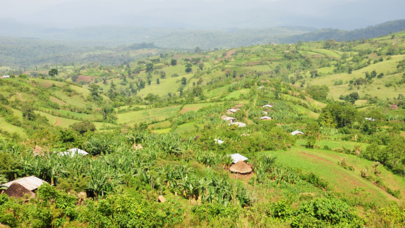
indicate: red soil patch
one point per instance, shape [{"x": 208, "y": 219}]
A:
[
  {"x": 85, "y": 78},
  {"x": 252, "y": 63},
  {"x": 177, "y": 56},
  {"x": 46, "y": 84},
  {"x": 317, "y": 158},
  {"x": 230, "y": 53}
]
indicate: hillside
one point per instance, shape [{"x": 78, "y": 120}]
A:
[{"x": 160, "y": 131}]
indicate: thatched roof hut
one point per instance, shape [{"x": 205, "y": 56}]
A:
[
  {"x": 394, "y": 107},
  {"x": 241, "y": 167},
  {"x": 161, "y": 199},
  {"x": 38, "y": 150},
  {"x": 16, "y": 190}
]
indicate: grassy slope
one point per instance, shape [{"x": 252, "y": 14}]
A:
[
  {"x": 380, "y": 67},
  {"x": 11, "y": 128},
  {"x": 324, "y": 163}
]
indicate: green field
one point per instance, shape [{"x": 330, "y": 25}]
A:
[{"x": 148, "y": 115}]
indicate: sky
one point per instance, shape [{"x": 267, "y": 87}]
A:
[{"x": 342, "y": 14}]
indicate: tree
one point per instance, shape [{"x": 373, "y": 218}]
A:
[
  {"x": 28, "y": 111},
  {"x": 149, "y": 67},
  {"x": 312, "y": 134},
  {"x": 94, "y": 89},
  {"x": 173, "y": 62},
  {"x": 201, "y": 66},
  {"x": 318, "y": 92},
  {"x": 234, "y": 74},
  {"x": 343, "y": 114},
  {"x": 75, "y": 77},
  {"x": 183, "y": 80},
  {"x": 162, "y": 74},
  {"x": 197, "y": 50},
  {"x": 53, "y": 72},
  {"x": 106, "y": 110},
  {"x": 157, "y": 81},
  {"x": 83, "y": 127},
  {"x": 188, "y": 68}
]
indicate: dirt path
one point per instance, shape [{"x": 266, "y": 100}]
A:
[
  {"x": 57, "y": 122},
  {"x": 316, "y": 157}
]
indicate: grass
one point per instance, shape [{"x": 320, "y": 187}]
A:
[
  {"x": 149, "y": 115},
  {"x": 5, "y": 126},
  {"x": 236, "y": 94},
  {"x": 333, "y": 144}
]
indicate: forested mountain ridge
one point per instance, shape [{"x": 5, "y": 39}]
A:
[{"x": 336, "y": 34}]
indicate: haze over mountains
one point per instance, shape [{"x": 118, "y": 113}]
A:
[{"x": 342, "y": 14}]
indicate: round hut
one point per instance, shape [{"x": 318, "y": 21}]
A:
[
  {"x": 241, "y": 167},
  {"x": 16, "y": 190},
  {"x": 394, "y": 107}
]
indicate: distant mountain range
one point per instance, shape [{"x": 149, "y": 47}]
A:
[
  {"x": 337, "y": 34},
  {"x": 23, "y": 44}
]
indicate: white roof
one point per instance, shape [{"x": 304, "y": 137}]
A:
[
  {"x": 73, "y": 151},
  {"x": 232, "y": 110},
  {"x": 237, "y": 157},
  {"x": 265, "y": 118},
  {"x": 229, "y": 118},
  {"x": 261, "y": 87},
  {"x": 218, "y": 141},
  {"x": 296, "y": 132},
  {"x": 240, "y": 124},
  {"x": 370, "y": 119},
  {"x": 6, "y": 76},
  {"x": 30, "y": 183},
  {"x": 267, "y": 105}
]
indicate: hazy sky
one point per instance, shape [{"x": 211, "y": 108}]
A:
[{"x": 345, "y": 14}]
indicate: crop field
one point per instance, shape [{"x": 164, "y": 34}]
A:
[
  {"x": 321, "y": 161},
  {"x": 196, "y": 107}
]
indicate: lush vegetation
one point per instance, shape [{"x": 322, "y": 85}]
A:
[{"x": 154, "y": 128}]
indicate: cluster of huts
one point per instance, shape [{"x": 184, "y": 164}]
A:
[
  {"x": 27, "y": 186},
  {"x": 231, "y": 120}
]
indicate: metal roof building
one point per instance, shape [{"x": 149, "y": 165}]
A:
[
  {"x": 237, "y": 157},
  {"x": 31, "y": 183}
]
